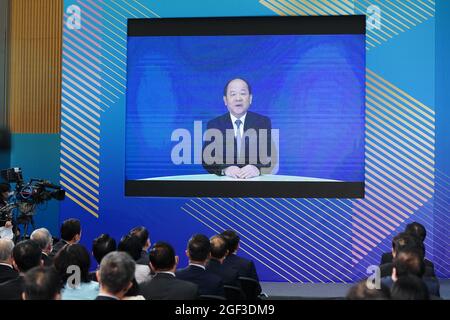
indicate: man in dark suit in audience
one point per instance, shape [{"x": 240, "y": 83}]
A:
[
  {"x": 418, "y": 231},
  {"x": 215, "y": 265},
  {"x": 409, "y": 261},
  {"x": 70, "y": 234},
  {"x": 45, "y": 241},
  {"x": 7, "y": 271},
  {"x": 404, "y": 241},
  {"x": 245, "y": 268},
  {"x": 26, "y": 255},
  {"x": 198, "y": 252},
  {"x": 143, "y": 235},
  {"x": 115, "y": 275},
  {"x": 101, "y": 246},
  {"x": 165, "y": 285}
]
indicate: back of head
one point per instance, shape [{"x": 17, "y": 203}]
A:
[
  {"x": 162, "y": 256},
  {"x": 199, "y": 248},
  {"x": 70, "y": 228},
  {"x": 131, "y": 245},
  {"x": 116, "y": 271},
  {"x": 42, "y": 237},
  {"x": 6, "y": 250},
  {"x": 409, "y": 287},
  {"x": 103, "y": 245},
  {"x": 405, "y": 241},
  {"x": 409, "y": 261},
  {"x": 361, "y": 291},
  {"x": 417, "y": 230},
  {"x": 218, "y": 247},
  {"x": 141, "y": 233},
  {"x": 42, "y": 283},
  {"x": 73, "y": 255},
  {"x": 232, "y": 239},
  {"x": 27, "y": 255}
]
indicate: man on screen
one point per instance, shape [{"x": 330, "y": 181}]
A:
[{"x": 238, "y": 143}]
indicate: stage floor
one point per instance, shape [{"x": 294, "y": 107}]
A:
[{"x": 289, "y": 291}]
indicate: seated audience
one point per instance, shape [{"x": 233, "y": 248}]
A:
[
  {"x": 115, "y": 275},
  {"x": 215, "y": 265},
  {"x": 361, "y": 291},
  {"x": 165, "y": 285},
  {"x": 418, "y": 231},
  {"x": 75, "y": 288},
  {"x": 7, "y": 271},
  {"x": 101, "y": 246},
  {"x": 409, "y": 261},
  {"x": 45, "y": 241},
  {"x": 198, "y": 252},
  {"x": 245, "y": 268},
  {"x": 404, "y": 241},
  {"x": 26, "y": 255},
  {"x": 409, "y": 287},
  {"x": 42, "y": 283},
  {"x": 70, "y": 234},
  {"x": 142, "y": 234},
  {"x": 132, "y": 245}
]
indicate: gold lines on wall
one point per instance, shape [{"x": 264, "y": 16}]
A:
[{"x": 34, "y": 90}]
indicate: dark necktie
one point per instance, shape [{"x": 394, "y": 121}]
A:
[{"x": 238, "y": 136}]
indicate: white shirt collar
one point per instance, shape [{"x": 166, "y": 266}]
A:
[
  {"x": 5, "y": 264},
  {"x": 166, "y": 272},
  {"x": 233, "y": 119},
  {"x": 198, "y": 265}
]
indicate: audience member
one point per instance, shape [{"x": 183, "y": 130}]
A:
[
  {"x": 42, "y": 283},
  {"x": 215, "y": 265},
  {"x": 143, "y": 235},
  {"x": 7, "y": 271},
  {"x": 45, "y": 241},
  {"x": 115, "y": 275},
  {"x": 409, "y": 287},
  {"x": 198, "y": 252},
  {"x": 245, "y": 268},
  {"x": 132, "y": 245},
  {"x": 76, "y": 281},
  {"x": 361, "y": 291},
  {"x": 165, "y": 285},
  {"x": 70, "y": 234},
  {"x": 26, "y": 255}
]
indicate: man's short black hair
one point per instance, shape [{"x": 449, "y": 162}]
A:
[
  {"x": 409, "y": 261},
  {"x": 232, "y": 239},
  {"x": 131, "y": 245},
  {"x": 405, "y": 241},
  {"x": 218, "y": 247},
  {"x": 162, "y": 256},
  {"x": 361, "y": 291},
  {"x": 417, "y": 230},
  {"x": 409, "y": 287},
  {"x": 70, "y": 228},
  {"x": 116, "y": 271},
  {"x": 42, "y": 283},
  {"x": 73, "y": 255},
  {"x": 225, "y": 89},
  {"x": 102, "y": 245},
  {"x": 199, "y": 247},
  {"x": 141, "y": 233},
  {"x": 27, "y": 254}
]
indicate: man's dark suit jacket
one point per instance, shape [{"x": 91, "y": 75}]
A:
[
  {"x": 104, "y": 298},
  {"x": 208, "y": 283},
  {"x": 387, "y": 258},
  {"x": 165, "y": 286},
  {"x": 12, "y": 289},
  {"x": 7, "y": 273},
  {"x": 48, "y": 262},
  {"x": 386, "y": 271},
  {"x": 228, "y": 274},
  {"x": 252, "y": 121},
  {"x": 58, "y": 246},
  {"x": 144, "y": 259},
  {"x": 245, "y": 268}
]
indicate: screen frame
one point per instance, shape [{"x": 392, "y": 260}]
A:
[{"x": 219, "y": 26}]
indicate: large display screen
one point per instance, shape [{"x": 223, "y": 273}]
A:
[{"x": 246, "y": 107}]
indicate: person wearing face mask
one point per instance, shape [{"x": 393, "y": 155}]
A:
[{"x": 243, "y": 134}]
